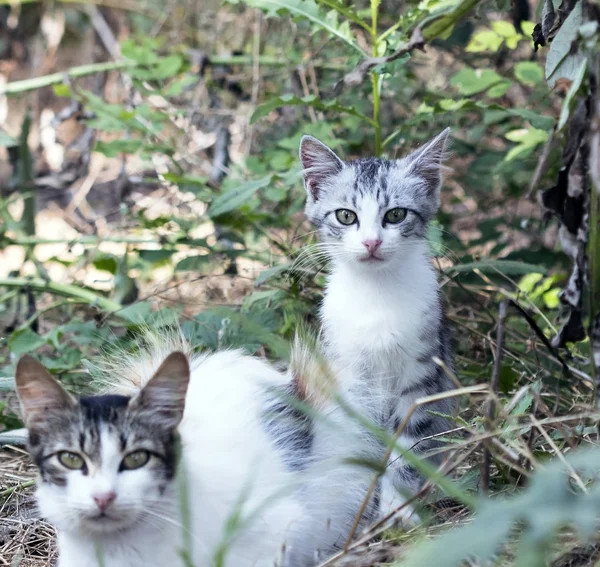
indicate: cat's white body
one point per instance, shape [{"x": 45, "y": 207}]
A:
[
  {"x": 372, "y": 327},
  {"x": 229, "y": 465}
]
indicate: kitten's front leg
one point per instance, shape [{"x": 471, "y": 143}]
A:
[{"x": 397, "y": 485}]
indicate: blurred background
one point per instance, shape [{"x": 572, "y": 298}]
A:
[{"x": 149, "y": 176}]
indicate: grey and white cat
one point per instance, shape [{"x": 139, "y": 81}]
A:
[
  {"x": 109, "y": 465},
  {"x": 382, "y": 315}
]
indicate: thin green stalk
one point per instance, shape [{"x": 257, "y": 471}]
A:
[
  {"x": 65, "y": 290},
  {"x": 375, "y": 79},
  {"x": 7, "y": 492},
  {"x": 25, "y": 175},
  {"x": 17, "y": 87}
]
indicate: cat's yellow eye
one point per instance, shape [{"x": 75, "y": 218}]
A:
[
  {"x": 71, "y": 460},
  {"x": 345, "y": 216},
  {"x": 394, "y": 216},
  {"x": 135, "y": 460}
]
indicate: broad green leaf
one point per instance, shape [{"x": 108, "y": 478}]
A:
[
  {"x": 471, "y": 81},
  {"x": 506, "y": 267},
  {"x": 309, "y": 100},
  {"x": 62, "y": 89},
  {"x": 309, "y": 10},
  {"x": 197, "y": 263},
  {"x": 499, "y": 89},
  {"x": 504, "y": 29},
  {"x": 571, "y": 98},
  {"x": 537, "y": 120},
  {"x": 560, "y": 64},
  {"x": 24, "y": 340},
  {"x": 485, "y": 40},
  {"x": 529, "y": 73},
  {"x": 234, "y": 198}
]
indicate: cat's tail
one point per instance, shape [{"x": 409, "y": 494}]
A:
[
  {"x": 309, "y": 372},
  {"x": 126, "y": 373}
]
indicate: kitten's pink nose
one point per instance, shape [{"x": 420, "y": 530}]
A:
[
  {"x": 104, "y": 500},
  {"x": 371, "y": 245}
]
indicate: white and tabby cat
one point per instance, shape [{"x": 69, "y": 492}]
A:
[
  {"x": 109, "y": 465},
  {"x": 382, "y": 314}
]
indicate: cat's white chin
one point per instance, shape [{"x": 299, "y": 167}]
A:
[{"x": 106, "y": 524}]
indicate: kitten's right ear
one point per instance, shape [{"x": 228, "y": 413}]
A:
[
  {"x": 318, "y": 163},
  {"x": 164, "y": 394},
  {"x": 39, "y": 392}
]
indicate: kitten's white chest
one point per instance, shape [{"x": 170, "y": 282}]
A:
[{"x": 376, "y": 328}]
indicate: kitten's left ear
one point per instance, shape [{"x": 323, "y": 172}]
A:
[
  {"x": 39, "y": 393},
  {"x": 164, "y": 394},
  {"x": 319, "y": 163},
  {"x": 426, "y": 162}
]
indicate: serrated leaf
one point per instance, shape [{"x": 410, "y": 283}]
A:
[
  {"x": 311, "y": 100},
  {"x": 307, "y": 9},
  {"x": 234, "y": 198}
]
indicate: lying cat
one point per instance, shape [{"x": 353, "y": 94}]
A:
[{"x": 174, "y": 467}]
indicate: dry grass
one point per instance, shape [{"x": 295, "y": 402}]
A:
[{"x": 25, "y": 540}]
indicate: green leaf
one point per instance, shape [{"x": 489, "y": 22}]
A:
[
  {"x": 62, "y": 89},
  {"x": 198, "y": 263},
  {"x": 136, "y": 313},
  {"x": 506, "y": 267},
  {"x": 529, "y": 73},
  {"x": 571, "y": 98},
  {"x": 485, "y": 40},
  {"x": 470, "y": 81},
  {"x": 234, "y": 198},
  {"x": 7, "y": 141},
  {"x": 560, "y": 64},
  {"x": 270, "y": 273},
  {"x": 24, "y": 340},
  {"x": 309, "y": 100},
  {"x": 537, "y": 120},
  {"x": 117, "y": 147},
  {"x": 307, "y": 9},
  {"x": 527, "y": 140}
]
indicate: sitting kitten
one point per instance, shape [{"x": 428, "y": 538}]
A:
[
  {"x": 111, "y": 467},
  {"x": 382, "y": 314}
]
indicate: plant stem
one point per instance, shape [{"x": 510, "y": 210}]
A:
[
  {"x": 65, "y": 290},
  {"x": 9, "y": 491},
  {"x": 375, "y": 79}
]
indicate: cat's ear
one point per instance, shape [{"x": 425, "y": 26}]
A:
[
  {"x": 426, "y": 162},
  {"x": 318, "y": 164},
  {"x": 38, "y": 392},
  {"x": 164, "y": 394}
]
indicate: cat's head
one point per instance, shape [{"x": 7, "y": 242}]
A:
[
  {"x": 370, "y": 212},
  {"x": 105, "y": 462}
]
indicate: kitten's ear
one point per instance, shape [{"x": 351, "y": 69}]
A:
[
  {"x": 165, "y": 392},
  {"x": 318, "y": 163},
  {"x": 38, "y": 392},
  {"x": 426, "y": 162}
]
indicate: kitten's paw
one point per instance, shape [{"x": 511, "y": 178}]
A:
[{"x": 396, "y": 513}]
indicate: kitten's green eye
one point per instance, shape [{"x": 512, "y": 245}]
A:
[
  {"x": 394, "y": 216},
  {"x": 135, "y": 460},
  {"x": 345, "y": 216},
  {"x": 71, "y": 460}
]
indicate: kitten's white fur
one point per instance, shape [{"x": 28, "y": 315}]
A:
[{"x": 229, "y": 463}]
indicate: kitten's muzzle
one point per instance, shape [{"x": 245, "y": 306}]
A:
[{"x": 104, "y": 500}]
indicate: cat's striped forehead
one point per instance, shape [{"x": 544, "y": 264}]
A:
[{"x": 95, "y": 423}]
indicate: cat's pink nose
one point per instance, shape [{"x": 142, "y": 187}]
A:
[
  {"x": 371, "y": 245},
  {"x": 104, "y": 500}
]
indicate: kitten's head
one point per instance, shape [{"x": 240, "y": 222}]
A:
[
  {"x": 369, "y": 212},
  {"x": 104, "y": 462}
]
